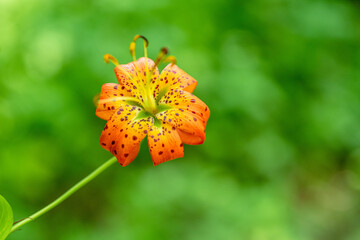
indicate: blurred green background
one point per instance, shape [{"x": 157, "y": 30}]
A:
[{"x": 282, "y": 154}]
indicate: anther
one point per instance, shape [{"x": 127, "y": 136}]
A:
[
  {"x": 108, "y": 58},
  {"x": 171, "y": 59},
  {"x": 133, "y": 45},
  {"x": 143, "y": 38},
  {"x": 163, "y": 52},
  {"x": 96, "y": 99}
]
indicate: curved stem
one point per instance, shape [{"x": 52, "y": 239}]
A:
[{"x": 67, "y": 194}]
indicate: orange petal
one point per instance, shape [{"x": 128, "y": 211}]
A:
[
  {"x": 174, "y": 77},
  {"x": 164, "y": 144},
  {"x": 138, "y": 71},
  {"x": 128, "y": 144},
  {"x": 117, "y": 123},
  {"x": 184, "y": 120},
  {"x": 122, "y": 134},
  {"x": 187, "y": 103},
  {"x": 191, "y": 139},
  {"x": 107, "y": 102}
]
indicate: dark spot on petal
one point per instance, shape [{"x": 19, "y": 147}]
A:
[{"x": 160, "y": 153}]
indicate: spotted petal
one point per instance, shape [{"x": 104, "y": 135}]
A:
[
  {"x": 109, "y": 100},
  {"x": 188, "y": 114},
  {"x": 188, "y": 103},
  {"x": 164, "y": 144},
  {"x": 174, "y": 77},
  {"x": 191, "y": 139},
  {"x": 136, "y": 71},
  {"x": 184, "y": 121},
  {"x": 123, "y": 133}
]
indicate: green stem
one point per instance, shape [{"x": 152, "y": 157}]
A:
[{"x": 67, "y": 194}]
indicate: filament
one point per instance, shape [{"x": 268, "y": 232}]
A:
[{"x": 110, "y": 58}]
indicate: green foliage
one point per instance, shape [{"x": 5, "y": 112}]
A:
[{"x": 6, "y": 218}]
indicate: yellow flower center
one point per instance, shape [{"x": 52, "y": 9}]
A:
[{"x": 149, "y": 103}]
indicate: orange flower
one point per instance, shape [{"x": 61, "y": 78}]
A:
[{"x": 145, "y": 103}]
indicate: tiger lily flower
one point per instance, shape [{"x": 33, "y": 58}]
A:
[{"x": 146, "y": 103}]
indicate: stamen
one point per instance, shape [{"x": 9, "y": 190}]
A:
[
  {"x": 132, "y": 50},
  {"x": 142, "y": 37},
  {"x": 149, "y": 100},
  {"x": 108, "y": 58},
  {"x": 96, "y": 99},
  {"x": 171, "y": 59},
  {"x": 133, "y": 54},
  {"x": 163, "y": 52},
  {"x": 133, "y": 45},
  {"x": 146, "y": 44},
  {"x": 115, "y": 99}
]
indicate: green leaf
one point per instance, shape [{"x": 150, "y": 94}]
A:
[{"x": 6, "y": 218}]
